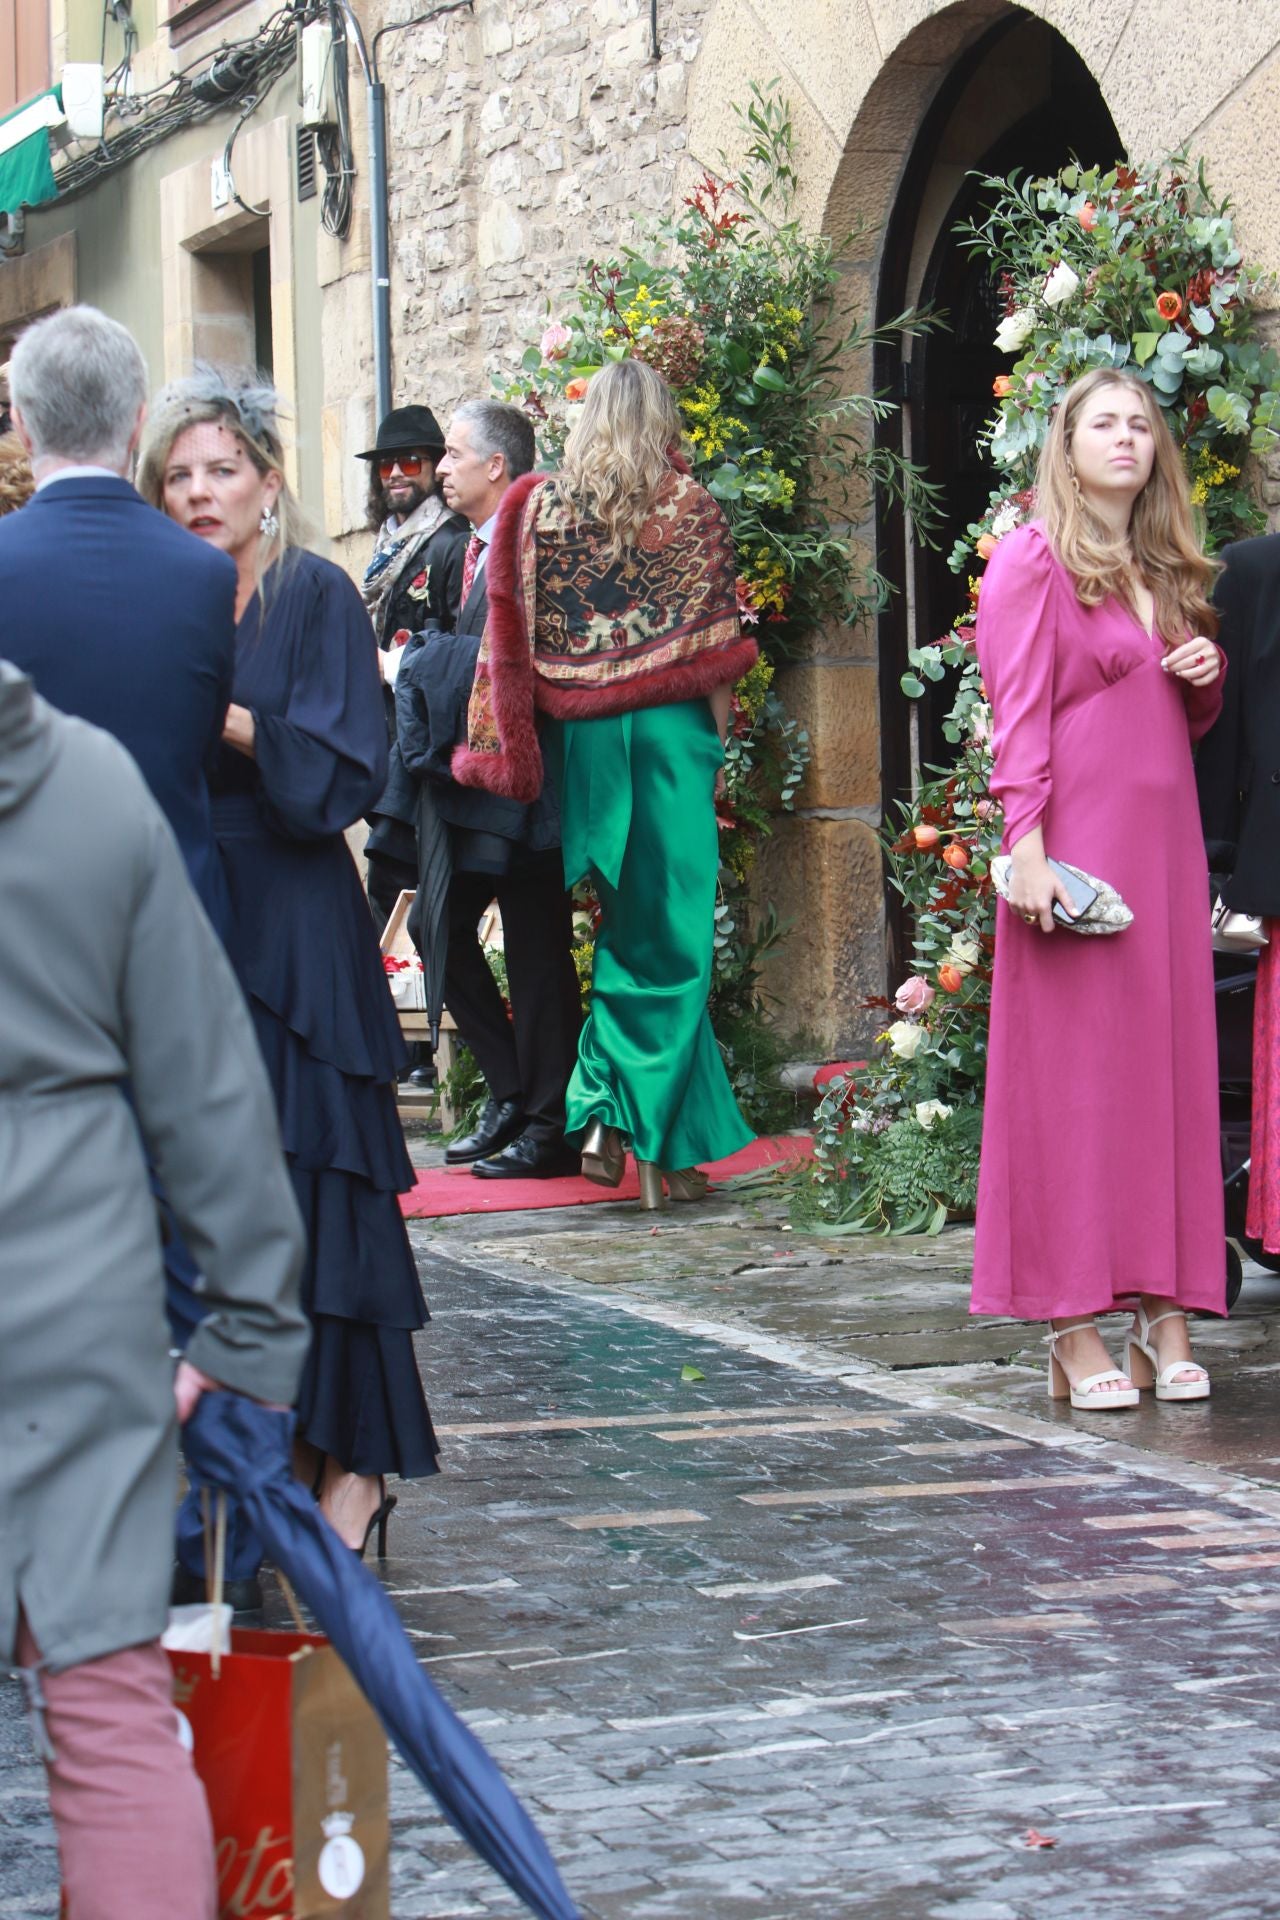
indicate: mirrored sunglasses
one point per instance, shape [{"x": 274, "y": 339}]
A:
[{"x": 410, "y": 465}]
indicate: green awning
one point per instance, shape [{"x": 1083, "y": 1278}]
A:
[{"x": 26, "y": 171}]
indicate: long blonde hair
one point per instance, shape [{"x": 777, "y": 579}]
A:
[
  {"x": 1162, "y": 547},
  {"x": 619, "y": 451},
  {"x": 248, "y": 406}
]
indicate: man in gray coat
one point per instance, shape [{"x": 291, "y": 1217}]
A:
[{"x": 88, "y": 1421}]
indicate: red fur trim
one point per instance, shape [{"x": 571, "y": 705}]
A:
[
  {"x": 516, "y": 770},
  {"x": 701, "y": 675}
]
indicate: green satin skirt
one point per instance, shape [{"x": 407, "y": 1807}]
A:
[{"x": 638, "y": 820}]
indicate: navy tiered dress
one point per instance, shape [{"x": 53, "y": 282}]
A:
[{"x": 303, "y": 944}]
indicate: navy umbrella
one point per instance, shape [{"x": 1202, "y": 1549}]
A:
[{"x": 244, "y": 1448}]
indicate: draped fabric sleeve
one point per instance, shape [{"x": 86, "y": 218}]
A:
[
  {"x": 1204, "y": 704},
  {"x": 323, "y": 762},
  {"x": 1017, "y": 643}
]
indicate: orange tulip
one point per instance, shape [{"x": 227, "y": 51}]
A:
[
  {"x": 950, "y": 978},
  {"x": 1001, "y": 385},
  {"x": 576, "y": 390},
  {"x": 986, "y": 545},
  {"x": 955, "y": 855},
  {"x": 926, "y": 837},
  {"x": 1088, "y": 216},
  {"x": 1168, "y": 305}
]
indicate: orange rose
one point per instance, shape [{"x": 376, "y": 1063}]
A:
[
  {"x": 950, "y": 978},
  {"x": 926, "y": 838},
  {"x": 1168, "y": 305},
  {"x": 576, "y": 390},
  {"x": 986, "y": 545},
  {"x": 955, "y": 855},
  {"x": 1088, "y": 216},
  {"x": 1001, "y": 385}
]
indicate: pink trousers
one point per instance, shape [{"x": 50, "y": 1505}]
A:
[{"x": 133, "y": 1825}]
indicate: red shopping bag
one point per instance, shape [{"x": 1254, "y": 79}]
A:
[{"x": 294, "y": 1763}]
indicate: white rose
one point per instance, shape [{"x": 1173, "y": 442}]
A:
[
  {"x": 1015, "y": 330},
  {"x": 964, "y": 952},
  {"x": 927, "y": 1111},
  {"x": 905, "y": 1039},
  {"x": 1060, "y": 285},
  {"x": 1008, "y": 515}
]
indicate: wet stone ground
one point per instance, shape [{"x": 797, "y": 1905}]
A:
[{"x": 828, "y": 1629}]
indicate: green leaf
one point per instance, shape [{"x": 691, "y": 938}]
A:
[
  {"x": 769, "y": 378},
  {"x": 726, "y": 483},
  {"x": 912, "y": 685},
  {"x": 531, "y": 359},
  {"x": 1144, "y": 345},
  {"x": 692, "y": 1373}
]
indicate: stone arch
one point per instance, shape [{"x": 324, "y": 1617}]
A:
[{"x": 861, "y": 77}]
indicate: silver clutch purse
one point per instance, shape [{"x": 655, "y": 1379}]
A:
[
  {"x": 1236, "y": 932},
  {"x": 1106, "y": 912}
]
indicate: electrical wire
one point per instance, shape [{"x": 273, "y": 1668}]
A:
[
  {"x": 333, "y": 144},
  {"x": 418, "y": 20},
  {"x": 174, "y": 105}
]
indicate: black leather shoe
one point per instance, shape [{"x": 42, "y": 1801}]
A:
[
  {"x": 499, "y": 1123},
  {"x": 529, "y": 1158},
  {"x": 423, "y": 1077},
  {"x": 244, "y": 1597}
]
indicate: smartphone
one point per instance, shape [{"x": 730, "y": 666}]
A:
[{"x": 1082, "y": 895}]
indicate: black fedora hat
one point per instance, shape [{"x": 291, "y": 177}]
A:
[{"x": 407, "y": 430}]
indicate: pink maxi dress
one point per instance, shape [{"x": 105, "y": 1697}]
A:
[{"x": 1101, "y": 1174}]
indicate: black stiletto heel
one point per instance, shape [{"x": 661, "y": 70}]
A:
[{"x": 378, "y": 1520}]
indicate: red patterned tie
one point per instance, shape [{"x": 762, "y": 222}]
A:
[{"x": 470, "y": 560}]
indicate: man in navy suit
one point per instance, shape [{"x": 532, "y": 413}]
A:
[
  {"x": 118, "y": 614},
  {"x": 123, "y": 618}
]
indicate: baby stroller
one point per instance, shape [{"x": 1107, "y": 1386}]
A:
[{"x": 1235, "y": 976}]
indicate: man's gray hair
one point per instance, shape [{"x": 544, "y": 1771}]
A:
[
  {"x": 79, "y": 381},
  {"x": 498, "y": 428}
]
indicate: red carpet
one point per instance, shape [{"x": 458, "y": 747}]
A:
[{"x": 440, "y": 1191}]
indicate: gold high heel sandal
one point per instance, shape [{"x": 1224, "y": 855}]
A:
[
  {"x": 604, "y": 1155},
  {"x": 687, "y": 1183},
  {"x": 652, "y": 1196}
]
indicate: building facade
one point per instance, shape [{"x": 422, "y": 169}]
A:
[{"x": 523, "y": 140}]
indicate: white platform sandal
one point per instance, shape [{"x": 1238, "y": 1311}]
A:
[
  {"x": 1090, "y": 1395},
  {"x": 1147, "y": 1372}
]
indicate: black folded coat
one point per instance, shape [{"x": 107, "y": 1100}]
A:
[{"x": 1238, "y": 763}]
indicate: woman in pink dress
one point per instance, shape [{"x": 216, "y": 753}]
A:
[{"x": 1101, "y": 1183}]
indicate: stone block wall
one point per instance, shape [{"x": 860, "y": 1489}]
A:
[{"x": 522, "y": 141}]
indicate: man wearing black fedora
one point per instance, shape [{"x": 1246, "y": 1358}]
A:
[{"x": 414, "y": 580}]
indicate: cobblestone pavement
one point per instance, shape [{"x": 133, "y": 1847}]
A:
[{"x": 764, "y": 1623}]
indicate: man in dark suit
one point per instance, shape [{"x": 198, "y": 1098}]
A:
[
  {"x": 119, "y": 615},
  {"x": 123, "y": 619},
  {"x": 500, "y": 849}
]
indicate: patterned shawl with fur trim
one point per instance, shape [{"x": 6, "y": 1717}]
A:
[{"x": 574, "y": 633}]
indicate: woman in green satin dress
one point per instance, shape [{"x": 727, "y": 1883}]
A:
[
  {"x": 637, "y": 796},
  {"x": 615, "y": 579}
]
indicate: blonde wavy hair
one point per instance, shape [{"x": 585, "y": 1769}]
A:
[
  {"x": 241, "y": 400},
  {"x": 1162, "y": 550},
  {"x": 17, "y": 482},
  {"x": 619, "y": 452}
]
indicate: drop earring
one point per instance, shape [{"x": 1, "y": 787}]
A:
[{"x": 269, "y": 524}]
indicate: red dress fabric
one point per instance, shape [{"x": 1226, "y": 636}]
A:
[
  {"x": 1262, "y": 1219},
  {"x": 1101, "y": 1175}
]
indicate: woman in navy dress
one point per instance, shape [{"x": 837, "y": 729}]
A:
[{"x": 304, "y": 756}]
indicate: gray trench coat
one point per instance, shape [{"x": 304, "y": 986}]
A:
[{"x": 109, "y": 972}]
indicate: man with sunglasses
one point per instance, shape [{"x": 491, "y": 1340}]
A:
[{"x": 414, "y": 580}]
